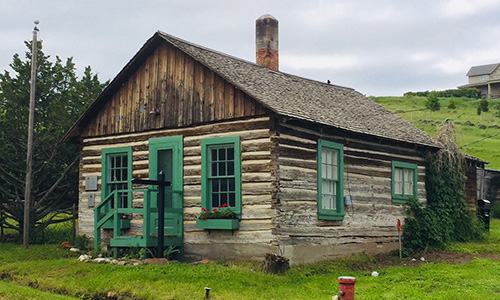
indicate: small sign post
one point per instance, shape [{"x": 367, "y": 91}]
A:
[
  {"x": 400, "y": 228},
  {"x": 161, "y": 183}
]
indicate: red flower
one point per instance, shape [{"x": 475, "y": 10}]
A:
[
  {"x": 220, "y": 207},
  {"x": 130, "y": 214},
  {"x": 124, "y": 217},
  {"x": 224, "y": 205},
  {"x": 204, "y": 209},
  {"x": 215, "y": 209}
]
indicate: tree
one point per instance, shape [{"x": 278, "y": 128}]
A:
[
  {"x": 60, "y": 99},
  {"x": 484, "y": 105},
  {"x": 432, "y": 102}
]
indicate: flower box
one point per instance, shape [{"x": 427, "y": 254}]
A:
[
  {"x": 124, "y": 224},
  {"x": 225, "y": 224}
]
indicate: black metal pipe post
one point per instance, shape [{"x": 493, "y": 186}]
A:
[{"x": 161, "y": 215}]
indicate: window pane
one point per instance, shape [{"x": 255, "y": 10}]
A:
[
  {"x": 398, "y": 181},
  {"x": 230, "y": 154},
  {"x": 223, "y": 185},
  {"x": 213, "y": 169},
  {"x": 408, "y": 182},
  {"x": 230, "y": 168},
  {"x": 222, "y": 153},
  {"x": 213, "y": 156},
  {"x": 222, "y": 168},
  {"x": 215, "y": 185},
  {"x": 215, "y": 200},
  {"x": 223, "y": 198},
  {"x": 232, "y": 199}
]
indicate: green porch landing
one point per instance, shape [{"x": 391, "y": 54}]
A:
[{"x": 118, "y": 220}]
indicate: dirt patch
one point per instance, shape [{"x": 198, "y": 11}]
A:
[{"x": 386, "y": 260}]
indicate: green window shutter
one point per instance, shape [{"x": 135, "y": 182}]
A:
[
  {"x": 117, "y": 174},
  {"x": 330, "y": 158},
  {"x": 404, "y": 181},
  {"x": 221, "y": 173}
]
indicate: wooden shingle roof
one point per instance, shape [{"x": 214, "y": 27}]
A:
[
  {"x": 285, "y": 94},
  {"x": 305, "y": 99}
]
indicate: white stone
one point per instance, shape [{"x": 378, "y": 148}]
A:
[
  {"x": 74, "y": 249},
  {"x": 374, "y": 273},
  {"x": 422, "y": 258},
  {"x": 83, "y": 257},
  {"x": 102, "y": 260}
]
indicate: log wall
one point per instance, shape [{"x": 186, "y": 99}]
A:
[
  {"x": 255, "y": 236},
  {"x": 369, "y": 224},
  {"x": 182, "y": 91}
]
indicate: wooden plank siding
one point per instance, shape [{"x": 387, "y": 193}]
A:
[
  {"x": 258, "y": 179},
  {"x": 369, "y": 221},
  {"x": 182, "y": 90}
]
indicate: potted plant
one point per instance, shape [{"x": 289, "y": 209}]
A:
[
  {"x": 123, "y": 219},
  {"x": 218, "y": 218}
]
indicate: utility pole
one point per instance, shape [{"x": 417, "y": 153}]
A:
[{"x": 29, "y": 152}]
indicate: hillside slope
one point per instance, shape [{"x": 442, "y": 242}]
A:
[{"x": 479, "y": 135}]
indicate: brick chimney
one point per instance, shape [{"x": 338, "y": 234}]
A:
[{"x": 266, "y": 40}]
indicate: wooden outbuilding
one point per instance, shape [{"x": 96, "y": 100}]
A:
[{"x": 312, "y": 170}]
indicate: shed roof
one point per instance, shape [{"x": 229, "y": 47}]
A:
[
  {"x": 482, "y": 70},
  {"x": 284, "y": 94}
]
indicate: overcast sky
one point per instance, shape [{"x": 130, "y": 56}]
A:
[{"x": 378, "y": 48}]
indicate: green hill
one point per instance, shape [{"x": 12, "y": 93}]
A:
[{"x": 479, "y": 135}]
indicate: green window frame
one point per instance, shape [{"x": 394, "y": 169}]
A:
[
  {"x": 404, "y": 181},
  {"x": 117, "y": 174},
  {"x": 221, "y": 173},
  {"x": 330, "y": 180}
]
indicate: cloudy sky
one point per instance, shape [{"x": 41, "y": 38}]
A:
[{"x": 382, "y": 47}]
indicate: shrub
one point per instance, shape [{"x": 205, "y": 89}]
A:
[
  {"x": 446, "y": 217},
  {"x": 83, "y": 242},
  {"x": 495, "y": 211},
  {"x": 471, "y": 93},
  {"x": 432, "y": 102},
  {"x": 452, "y": 104},
  {"x": 484, "y": 105},
  {"x": 52, "y": 234}
]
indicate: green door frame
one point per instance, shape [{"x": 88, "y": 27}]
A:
[{"x": 175, "y": 144}]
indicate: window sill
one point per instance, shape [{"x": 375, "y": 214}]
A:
[
  {"x": 401, "y": 200},
  {"x": 332, "y": 217},
  {"x": 223, "y": 224}
]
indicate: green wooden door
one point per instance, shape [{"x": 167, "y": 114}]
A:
[{"x": 166, "y": 154}]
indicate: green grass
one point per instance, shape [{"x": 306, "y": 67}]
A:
[
  {"x": 470, "y": 126},
  {"x": 14, "y": 291},
  {"x": 51, "y": 269},
  {"x": 491, "y": 243}
]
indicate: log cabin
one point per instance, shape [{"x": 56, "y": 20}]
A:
[{"x": 312, "y": 170}]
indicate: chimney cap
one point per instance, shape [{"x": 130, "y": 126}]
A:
[{"x": 267, "y": 16}]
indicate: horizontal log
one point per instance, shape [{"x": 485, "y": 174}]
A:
[{"x": 242, "y": 125}]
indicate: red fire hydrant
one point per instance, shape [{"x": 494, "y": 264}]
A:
[{"x": 346, "y": 287}]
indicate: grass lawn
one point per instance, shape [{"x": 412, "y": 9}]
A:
[
  {"x": 41, "y": 272},
  {"x": 470, "y": 126}
]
